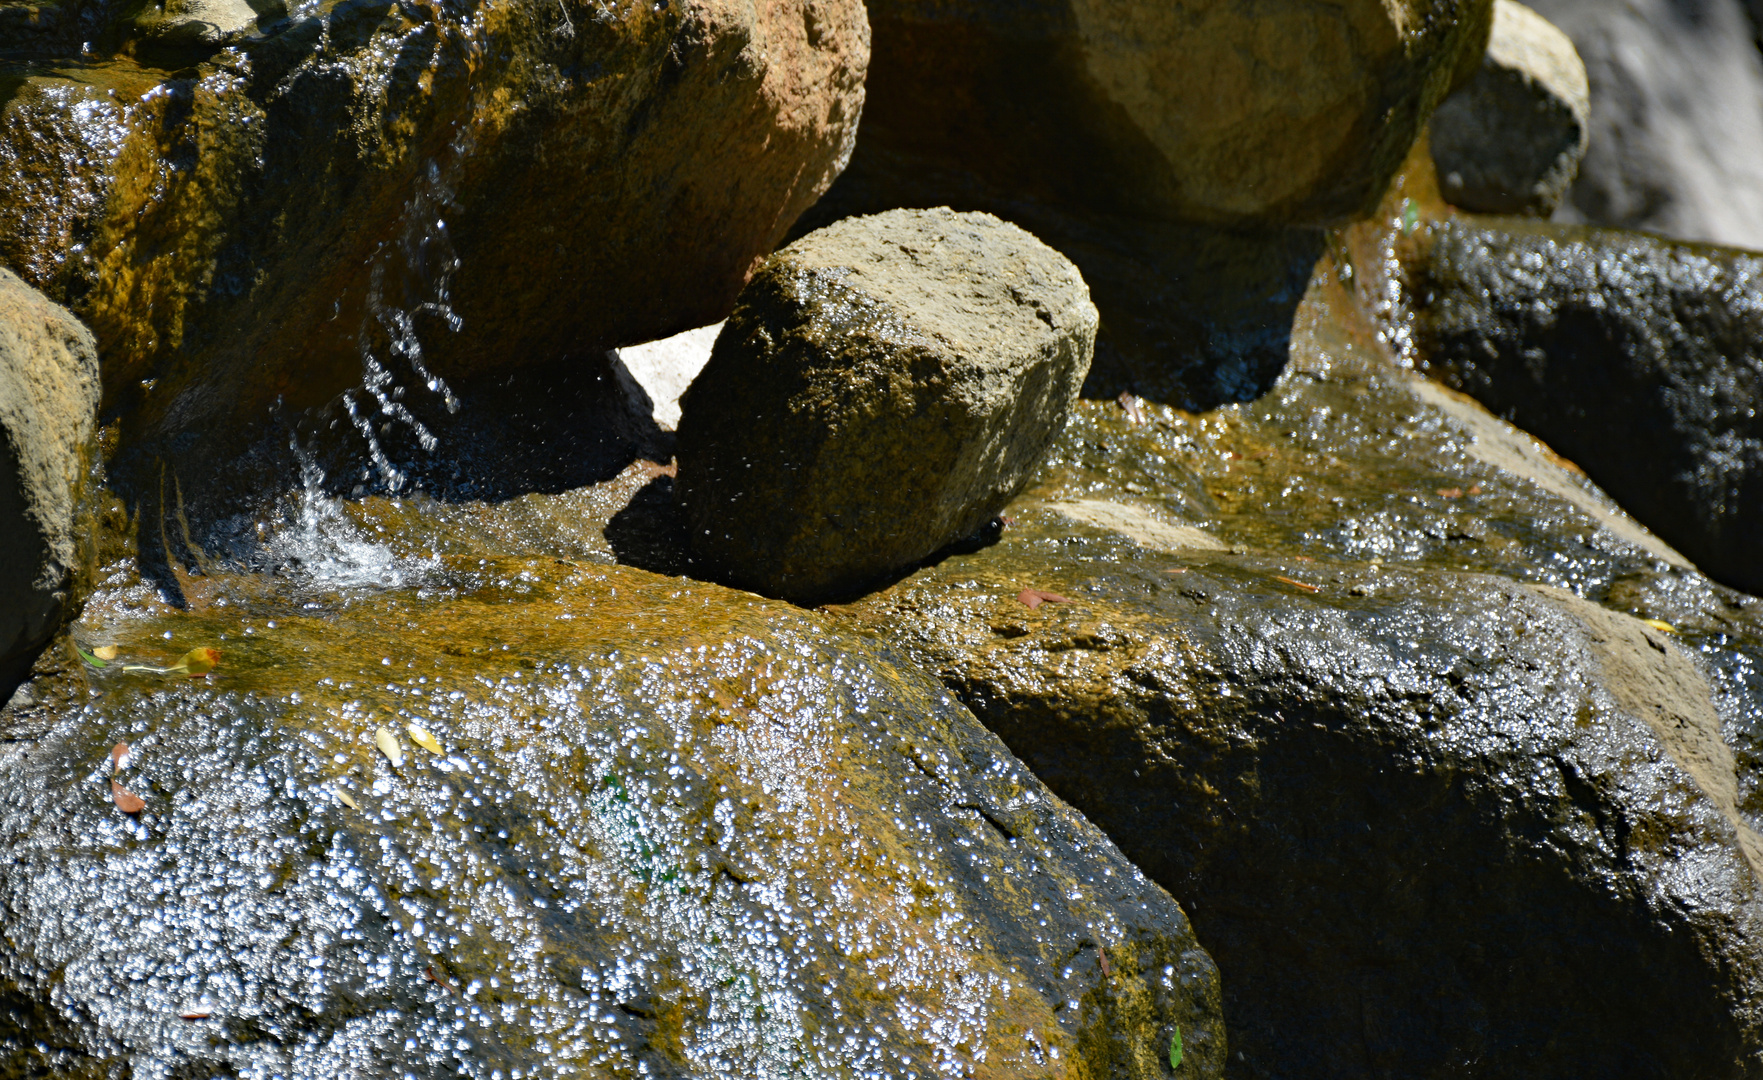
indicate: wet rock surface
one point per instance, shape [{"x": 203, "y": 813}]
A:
[
  {"x": 883, "y": 388},
  {"x": 647, "y": 827},
  {"x": 48, "y": 447},
  {"x": 1361, "y": 674},
  {"x": 1634, "y": 356},
  {"x": 345, "y": 201},
  {"x": 1509, "y": 141}
]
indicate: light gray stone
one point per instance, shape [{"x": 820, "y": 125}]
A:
[
  {"x": 884, "y": 386},
  {"x": 1511, "y": 139},
  {"x": 48, "y": 403}
]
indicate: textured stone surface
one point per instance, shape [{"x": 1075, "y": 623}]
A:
[
  {"x": 697, "y": 834},
  {"x": 1510, "y": 140},
  {"x": 1437, "y": 799},
  {"x": 883, "y": 387},
  {"x": 48, "y": 398},
  {"x": 1677, "y": 117},
  {"x": 368, "y": 198},
  {"x": 1634, "y": 356}
]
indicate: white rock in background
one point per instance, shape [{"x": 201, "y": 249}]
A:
[
  {"x": 1677, "y": 117},
  {"x": 1511, "y": 139},
  {"x": 666, "y": 367}
]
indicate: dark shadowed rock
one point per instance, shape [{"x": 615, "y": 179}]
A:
[
  {"x": 883, "y": 387},
  {"x": 1509, "y": 141},
  {"x": 366, "y": 199},
  {"x": 1362, "y": 675},
  {"x": 1639, "y": 358},
  {"x": 48, "y": 398}
]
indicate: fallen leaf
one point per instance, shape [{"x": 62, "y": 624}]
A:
[
  {"x": 429, "y": 974},
  {"x": 90, "y": 657},
  {"x": 1175, "y": 1050},
  {"x": 1475, "y": 489},
  {"x": 1034, "y": 598},
  {"x": 119, "y": 757},
  {"x": 422, "y": 738},
  {"x": 1134, "y": 408},
  {"x": 1006, "y": 520},
  {"x": 388, "y": 744},
  {"x": 1102, "y": 955},
  {"x": 1299, "y": 584},
  {"x": 126, "y": 801},
  {"x": 1176, "y": 570},
  {"x": 203, "y": 1015},
  {"x": 105, "y": 652},
  {"x": 347, "y": 801},
  {"x": 1451, "y": 493},
  {"x": 197, "y": 661},
  {"x": 1660, "y": 624}
]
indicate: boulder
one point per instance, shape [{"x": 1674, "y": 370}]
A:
[
  {"x": 342, "y": 211},
  {"x": 1635, "y": 356},
  {"x": 1509, "y": 141},
  {"x": 1451, "y": 762},
  {"x": 1676, "y": 142},
  {"x": 665, "y": 368},
  {"x": 883, "y": 388},
  {"x": 48, "y": 447},
  {"x": 697, "y": 834}
]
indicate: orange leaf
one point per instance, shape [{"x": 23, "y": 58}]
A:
[
  {"x": 197, "y": 662},
  {"x": 1451, "y": 493},
  {"x": 119, "y": 757},
  {"x": 126, "y": 801},
  {"x": 1176, "y": 570},
  {"x": 1034, "y": 598},
  {"x": 1299, "y": 584}
]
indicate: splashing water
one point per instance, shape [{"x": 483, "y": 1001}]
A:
[{"x": 313, "y": 540}]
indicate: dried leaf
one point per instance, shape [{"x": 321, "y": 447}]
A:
[
  {"x": 1176, "y": 570},
  {"x": 1034, "y": 598},
  {"x": 1102, "y": 955},
  {"x": 422, "y": 738},
  {"x": 1475, "y": 489},
  {"x": 1660, "y": 624},
  {"x": 1133, "y": 407},
  {"x": 429, "y": 974},
  {"x": 347, "y": 801},
  {"x": 119, "y": 757},
  {"x": 126, "y": 801},
  {"x": 1302, "y": 585},
  {"x": 1451, "y": 493},
  {"x": 389, "y": 746},
  {"x": 197, "y": 661},
  {"x": 105, "y": 652},
  {"x": 201, "y": 1014}
]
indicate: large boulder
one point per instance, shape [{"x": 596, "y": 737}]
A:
[
  {"x": 375, "y": 200},
  {"x": 696, "y": 834},
  {"x": 1677, "y": 117},
  {"x": 1636, "y": 357},
  {"x": 1453, "y": 764},
  {"x": 48, "y": 448},
  {"x": 1509, "y": 141},
  {"x": 884, "y": 386},
  {"x": 1181, "y": 154}
]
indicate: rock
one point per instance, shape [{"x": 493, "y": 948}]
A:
[
  {"x": 1363, "y": 675},
  {"x": 1677, "y": 117},
  {"x": 48, "y": 401},
  {"x": 1510, "y": 140},
  {"x": 696, "y": 834},
  {"x": 883, "y": 387},
  {"x": 1635, "y": 356},
  {"x": 338, "y": 217},
  {"x": 665, "y": 368}
]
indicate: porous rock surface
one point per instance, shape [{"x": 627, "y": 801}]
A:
[
  {"x": 1635, "y": 356},
  {"x": 695, "y": 834},
  {"x": 883, "y": 387},
  {"x": 1361, "y": 674},
  {"x": 1509, "y": 141},
  {"x": 48, "y": 402},
  {"x": 365, "y": 196}
]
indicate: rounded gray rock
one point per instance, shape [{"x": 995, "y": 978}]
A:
[
  {"x": 885, "y": 385},
  {"x": 1511, "y": 139},
  {"x": 48, "y": 401}
]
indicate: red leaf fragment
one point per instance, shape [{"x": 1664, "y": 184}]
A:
[
  {"x": 1289, "y": 581},
  {"x": 1451, "y": 493},
  {"x": 1475, "y": 489},
  {"x": 119, "y": 757},
  {"x": 1102, "y": 955},
  {"x": 1034, "y": 598},
  {"x": 201, "y": 1015},
  {"x": 429, "y": 974},
  {"x": 126, "y": 801},
  {"x": 1006, "y": 520}
]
